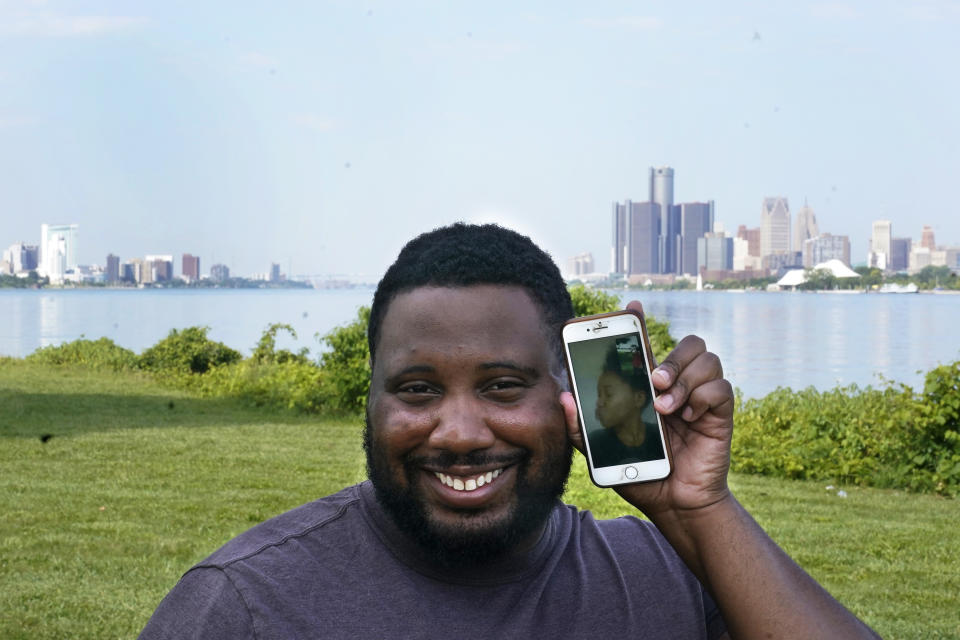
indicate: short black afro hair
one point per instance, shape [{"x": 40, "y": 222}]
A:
[{"x": 463, "y": 255}]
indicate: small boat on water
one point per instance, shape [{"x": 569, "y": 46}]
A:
[{"x": 892, "y": 287}]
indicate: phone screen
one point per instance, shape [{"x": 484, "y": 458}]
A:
[{"x": 616, "y": 400}]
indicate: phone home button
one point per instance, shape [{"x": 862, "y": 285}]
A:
[{"x": 630, "y": 473}]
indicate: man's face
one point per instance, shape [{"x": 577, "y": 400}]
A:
[{"x": 466, "y": 440}]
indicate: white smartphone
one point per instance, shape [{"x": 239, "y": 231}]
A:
[{"x": 609, "y": 360}]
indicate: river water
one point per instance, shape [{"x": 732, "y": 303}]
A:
[{"x": 764, "y": 340}]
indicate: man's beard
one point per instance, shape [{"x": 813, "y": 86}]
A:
[{"x": 478, "y": 539}]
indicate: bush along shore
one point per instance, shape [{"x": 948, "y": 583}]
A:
[{"x": 890, "y": 437}]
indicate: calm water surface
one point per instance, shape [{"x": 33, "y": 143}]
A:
[
  {"x": 765, "y": 340},
  {"x": 138, "y": 318}
]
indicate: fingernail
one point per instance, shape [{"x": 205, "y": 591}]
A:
[
  {"x": 687, "y": 414},
  {"x": 665, "y": 401},
  {"x": 661, "y": 375}
]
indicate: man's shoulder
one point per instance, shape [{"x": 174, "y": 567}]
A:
[
  {"x": 305, "y": 520},
  {"x": 626, "y": 524},
  {"x": 627, "y": 537}
]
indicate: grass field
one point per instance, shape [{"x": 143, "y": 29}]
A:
[{"x": 138, "y": 482}]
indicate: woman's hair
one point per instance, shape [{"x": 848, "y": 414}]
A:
[{"x": 613, "y": 364}]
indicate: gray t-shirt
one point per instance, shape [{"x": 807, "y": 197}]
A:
[{"x": 338, "y": 568}]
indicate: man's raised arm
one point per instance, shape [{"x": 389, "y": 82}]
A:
[{"x": 761, "y": 591}]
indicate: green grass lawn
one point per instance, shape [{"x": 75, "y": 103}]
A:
[{"x": 138, "y": 482}]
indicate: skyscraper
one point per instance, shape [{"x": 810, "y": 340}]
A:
[
  {"x": 21, "y": 257},
  {"x": 159, "y": 268},
  {"x": 636, "y": 238},
  {"x": 58, "y": 250},
  {"x": 927, "y": 238},
  {"x": 881, "y": 245},
  {"x": 747, "y": 255},
  {"x": 219, "y": 272},
  {"x": 128, "y": 272},
  {"x": 661, "y": 192},
  {"x": 643, "y": 235},
  {"x": 774, "y": 227},
  {"x": 825, "y": 247},
  {"x": 696, "y": 220},
  {"x": 112, "y": 275},
  {"x": 900, "y": 254},
  {"x": 671, "y": 243},
  {"x": 580, "y": 264},
  {"x": 618, "y": 251},
  {"x": 714, "y": 252},
  {"x": 138, "y": 272},
  {"x": 805, "y": 227},
  {"x": 190, "y": 267}
]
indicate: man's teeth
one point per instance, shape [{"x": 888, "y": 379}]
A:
[{"x": 470, "y": 484}]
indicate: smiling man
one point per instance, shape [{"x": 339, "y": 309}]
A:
[
  {"x": 466, "y": 441},
  {"x": 459, "y": 532}
]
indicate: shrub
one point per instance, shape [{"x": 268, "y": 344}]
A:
[
  {"x": 272, "y": 378},
  {"x": 265, "y": 351},
  {"x": 588, "y": 301},
  {"x": 98, "y": 354},
  {"x": 290, "y": 384},
  {"x": 889, "y": 437},
  {"x": 346, "y": 366},
  {"x": 187, "y": 351}
]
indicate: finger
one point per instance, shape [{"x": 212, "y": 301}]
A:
[
  {"x": 668, "y": 371},
  {"x": 570, "y": 415},
  {"x": 715, "y": 396},
  {"x": 704, "y": 368}
]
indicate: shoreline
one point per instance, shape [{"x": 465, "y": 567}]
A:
[{"x": 371, "y": 287}]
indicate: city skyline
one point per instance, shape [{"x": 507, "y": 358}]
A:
[
  {"x": 326, "y": 138},
  {"x": 55, "y": 257},
  {"x": 638, "y": 246}
]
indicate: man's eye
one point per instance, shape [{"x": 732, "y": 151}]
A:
[
  {"x": 505, "y": 389},
  {"x": 416, "y": 388}
]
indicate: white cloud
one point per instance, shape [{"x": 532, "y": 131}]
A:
[
  {"x": 628, "y": 23},
  {"x": 47, "y": 24}
]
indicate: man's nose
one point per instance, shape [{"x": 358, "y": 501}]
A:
[{"x": 461, "y": 425}]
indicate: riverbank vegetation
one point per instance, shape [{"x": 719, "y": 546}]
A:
[
  {"x": 869, "y": 279},
  {"x": 887, "y": 437},
  {"x": 31, "y": 281},
  {"x": 891, "y": 436}
]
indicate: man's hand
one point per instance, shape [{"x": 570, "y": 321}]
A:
[
  {"x": 761, "y": 592},
  {"x": 697, "y": 408}
]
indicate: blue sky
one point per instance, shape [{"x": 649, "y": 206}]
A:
[{"x": 322, "y": 135}]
